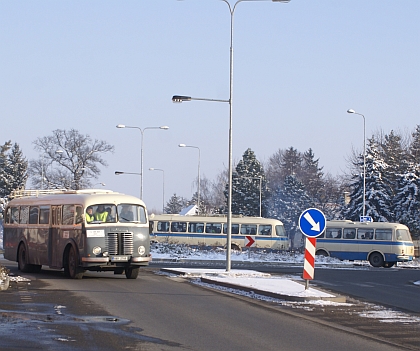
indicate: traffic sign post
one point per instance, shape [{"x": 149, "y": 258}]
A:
[
  {"x": 249, "y": 242},
  {"x": 312, "y": 224}
]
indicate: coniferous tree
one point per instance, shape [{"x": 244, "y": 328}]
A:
[
  {"x": 288, "y": 203},
  {"x": 312, "y": 176},
  {"x": 15, "y": 170},
  {"x": 175, "y": 204},
  {"x": 414, "y": 149},
  {"x": 3, "y": 162},
  {"x": 407, "y": 201},
  {"x": 248, "y": 185},
  {"x": 378, "y": 192},
  {"x": 396, "y": 158}
]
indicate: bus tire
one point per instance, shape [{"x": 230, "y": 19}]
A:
[
  {"x": 132, "y": 272},
  {"x": 23, "y": 264},
  {"x": 388, "y": 264},
  {"x": 321, "y": 253},
  {"x": 73, "y": 270},
  {"x": 376, "y": 259}
]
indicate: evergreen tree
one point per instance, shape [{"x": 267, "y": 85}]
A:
[
  {"x": 3, "y": 163},
  {"x": 396, "y": 159},
  {"x": 288, "y": 203},
  {"x": 175, "y": 204},
  {"x": 312, "y": 176},
  {"x": 292, "y": 163},
  {"x": 415, "y": 146},
  {"x": 15, "y": 170},
  {"x": 378, "y": 192},
  {"x": 248, "y": 186},
  {"x": 407, "y": 201}
]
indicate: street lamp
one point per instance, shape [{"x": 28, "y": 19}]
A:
[
  {"x": 163, "y": 186},
  {"x": 198, "y": 186},
  {"x": 141, "y": 150},
  {"x": 364, "y": 157},
  {"x": 103, "y": 184},
  {"x": 181, "y": 98}
]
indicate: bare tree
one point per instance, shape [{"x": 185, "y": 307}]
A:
[{"x": 68, "y": 160}]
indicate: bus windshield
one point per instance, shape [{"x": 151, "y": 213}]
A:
[
  {"x": 403, "y": 235},
  {"x": 131, "y": 213},
  {"x": 109, "y": 213},
  {"x": 101, "y": 213}
]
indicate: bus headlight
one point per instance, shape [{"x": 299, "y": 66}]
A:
[
  {"x": 96, "y": 250},
  {"x": 141, "y": 250}
]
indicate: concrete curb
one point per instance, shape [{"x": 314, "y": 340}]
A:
[
  {"x": 276, "y": 295},
  {"x": 209, "y": 280}
]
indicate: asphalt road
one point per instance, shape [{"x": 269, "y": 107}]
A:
[
  {"x": 392, "y": 287},
  {"x": 156, "y": 312}
]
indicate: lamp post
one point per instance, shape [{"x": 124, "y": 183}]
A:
[
  {"x": 163, "y": 186},
  {"x": 180, "y": 98},
  {"x": 364, "y": 158},
  {"x": 141, "y": 150},
  {"x": 198, "y": 186}
]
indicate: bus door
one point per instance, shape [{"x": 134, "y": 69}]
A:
[
  {"x": 365, "y": 241},
  {"x": 334, "y": 239},
  {"x": 43, "y": 235},
  {"x": 54, "y": 251}
]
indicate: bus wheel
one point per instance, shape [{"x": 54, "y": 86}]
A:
[
  {"x": 132, "y": 272},
  {"x": 23, "y": 259},
  {"x": 236, "y": 248},
  {"x": 321, "y": 253},
  {"x": 388, "y": 264},
  {"x": 376, "y": 259},
  {"x": 73, "y": 270}
]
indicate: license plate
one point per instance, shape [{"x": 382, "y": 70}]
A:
[{"x": 119, "y": 258}]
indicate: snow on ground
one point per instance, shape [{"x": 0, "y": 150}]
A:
[{"x": 163, "y": 251}]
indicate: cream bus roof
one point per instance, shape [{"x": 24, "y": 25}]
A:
[{"x": 83, "y": 197}]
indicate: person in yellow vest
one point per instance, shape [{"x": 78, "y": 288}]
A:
[
  {"x": 89, "y": 215},
  {"x": 101, "y": 214}
]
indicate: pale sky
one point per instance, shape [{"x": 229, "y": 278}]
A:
[{"x": 298, "y": 67}]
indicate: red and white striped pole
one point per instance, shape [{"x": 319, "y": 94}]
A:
[{"x": 309, "y": 263}]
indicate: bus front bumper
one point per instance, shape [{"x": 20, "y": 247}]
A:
[{"x": 114, "y": 259}]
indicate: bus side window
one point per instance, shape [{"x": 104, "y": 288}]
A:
[
  {"x": 234, "y": 228},
  {"x": 79, "y": 215},
  {"x": 68, "y": 214},
  {"x": 349, "y": 233},
  {"x": 14, "y": 215},
  {"x": 179, "y": 227},
  {"x": 44, "y": 214},
  {"x": 163, "y": 226},
  {"x": 33, "y": 215},
  {"x": 264, "y": 230}
]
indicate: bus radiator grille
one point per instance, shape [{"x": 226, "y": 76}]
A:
[{"x": 120, "y": 243}]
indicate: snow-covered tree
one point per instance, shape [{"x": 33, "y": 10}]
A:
[
  {"x": 68, "y": 159},
  {"x": 175, "y": 204},
  {"x": 15, "y": 170},
  {"x": 414, "y": 148},
  {"x": 312, "y": 175},
  {"x": 378, "y": 192},
  {"x": 396, "y": 159},
  {"x": 407, "y": 201},
  {"x": 248, "y": 185},
  {"x": 288, "y": 203}
]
